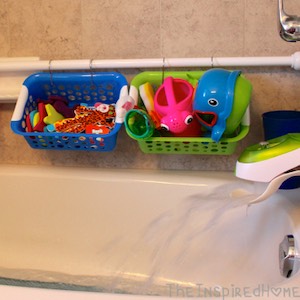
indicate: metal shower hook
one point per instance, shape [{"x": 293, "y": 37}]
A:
[
  {"x": 163, "y": 70},
  {"x": 212, "y": 61},
  {"x": 50, "y": 72},
  {"x": 92, "y": 72}
]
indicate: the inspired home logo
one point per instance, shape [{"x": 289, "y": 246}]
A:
[{"x": 235, "y": 292}]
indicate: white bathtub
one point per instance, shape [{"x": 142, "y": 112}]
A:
[{"x": 70, "y": 233}]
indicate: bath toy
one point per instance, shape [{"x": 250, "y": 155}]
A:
[
  {"x": 35, "y": 118},
  {"x": 193, "y": 130},
  {"x": 62, "y": 108},
  {"x": 85, "y": 116},
  {"x": 221, "y": 100},
  {"x": 71, "y": 125},
  {"x": 28, "y": 124},
  {"x": 92, "y": 129},
  {"x": 90, "y": 114},
  {"x": 52, "y": 99},
  {"x": 138, "y": 124},
  {"x": 40, "y": 115},
  {"x": 60, "y": 104},
  {"x": 50, "y": 128},
  {"x": 147, "y": 96},
  {"x": 31, "y": 116},
  {"x": 173, "y": 102},
  {"x": 102, "y": 107},
  {"x": 55, "y": 98},
  {"x": 52, "y": 115},
  {"x": 126, "y": 102}
]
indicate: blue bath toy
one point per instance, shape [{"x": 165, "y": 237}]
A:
[{"x": 213, "y": 101}]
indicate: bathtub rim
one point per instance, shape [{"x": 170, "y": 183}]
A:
[{"x": 24, "y": 293}]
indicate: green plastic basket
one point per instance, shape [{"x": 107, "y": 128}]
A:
[{"x": 188, "y": 145}]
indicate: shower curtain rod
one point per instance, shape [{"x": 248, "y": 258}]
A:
[
  {"x": 14, "y": 70},
  {"x": 19, "y": 65}
]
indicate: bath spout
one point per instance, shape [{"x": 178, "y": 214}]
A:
[
  {"x": 273, "y": 162},
  {"x": 265, "y": 161},
  {"x": 274, "y": 185}
]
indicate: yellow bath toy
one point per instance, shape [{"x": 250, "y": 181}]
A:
[
  {"x": 35, "y": 119},
  {"x": 147, "y": 96},
  {"x": 52, "y": 115}
]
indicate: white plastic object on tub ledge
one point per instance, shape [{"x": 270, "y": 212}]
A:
[{"x": 266, "y": 170}]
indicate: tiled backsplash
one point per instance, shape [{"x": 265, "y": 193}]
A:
[{"x": 102, "y": 29}]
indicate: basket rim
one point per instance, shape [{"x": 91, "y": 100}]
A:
[
  {"x": 115, "y": 130},
  {"x": 64, "y": 74},
  {"x": 140, "y": 78},
  {"x": 243, "y": 132}
]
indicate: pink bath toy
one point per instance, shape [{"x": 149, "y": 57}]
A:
[{"x": 173, "y": 102}]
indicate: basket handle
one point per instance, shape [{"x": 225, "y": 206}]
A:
[{"x": 20, "y": 105}]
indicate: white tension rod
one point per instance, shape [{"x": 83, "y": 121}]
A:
[
  {"x": 18, "y": 65},
  {"x": 13, "y": 71}
]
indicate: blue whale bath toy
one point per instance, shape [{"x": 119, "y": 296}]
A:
[{"x": 213, "y": 100}]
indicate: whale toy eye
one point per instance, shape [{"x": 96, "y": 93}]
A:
[
  {"x": 213, "y": 102},
  {"x": 164, "y": 127},
  {"x": 188, "y": 120}
]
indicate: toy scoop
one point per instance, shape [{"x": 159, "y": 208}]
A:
[
  {"x": 214, "y": 101},
  {"x": 173, "y": 102},
  {"x": 138, "y": 124}
]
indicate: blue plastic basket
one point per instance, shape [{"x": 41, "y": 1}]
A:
[{"x": 77, "y": 88}]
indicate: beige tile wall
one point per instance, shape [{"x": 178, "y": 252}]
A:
[{"x": 74, "y": 29}]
